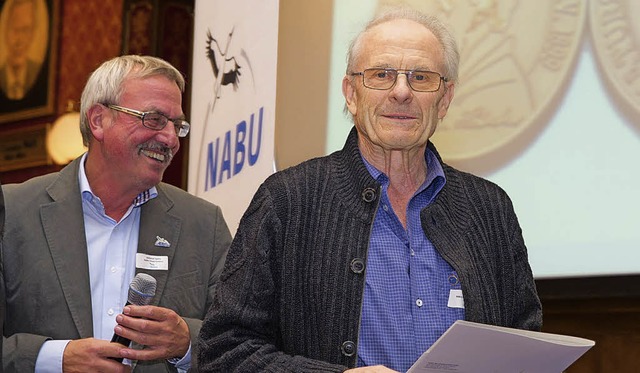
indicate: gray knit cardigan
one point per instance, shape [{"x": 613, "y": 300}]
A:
[{"x": 290, "y": 296}]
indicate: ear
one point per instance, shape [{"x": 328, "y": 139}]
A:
[
  {"x": 445, "y": 100},
  {"x": 349, "y": 93},
  {"x": 97, "y": 118}
]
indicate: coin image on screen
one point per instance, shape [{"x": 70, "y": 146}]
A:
[
  {"x": 516, "y": 57},
  {"x": 615, "y": 32}
]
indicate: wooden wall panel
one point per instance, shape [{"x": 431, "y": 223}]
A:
[
  {"x": 613, "y": 323},
  {"x": 91, "y": 33}
]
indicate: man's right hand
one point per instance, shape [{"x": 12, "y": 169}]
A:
[{"x": 92, "y": 355}]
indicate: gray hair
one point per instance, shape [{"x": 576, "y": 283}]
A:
[
  {"x": 431, "y": 23},
  {"x": 104, "y": 86}
]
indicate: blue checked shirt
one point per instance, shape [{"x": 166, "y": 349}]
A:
[{"x": 407, "y": 286}]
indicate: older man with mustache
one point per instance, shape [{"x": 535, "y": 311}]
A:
[{"x": 75, "y": 239}]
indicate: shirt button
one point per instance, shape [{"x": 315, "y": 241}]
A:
[
  {"x": 419, "y": 302},
  {"x": 385, "y": 208},
  {"x": 413, "y": 253},
  {"x": 110, "y": 312},
  {"x": 113, "y": 269}
]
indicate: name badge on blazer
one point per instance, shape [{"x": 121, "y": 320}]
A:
[{"x": 152, "y": 262}]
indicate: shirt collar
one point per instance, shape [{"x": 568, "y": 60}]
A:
[{"x": 434, "y": 171}]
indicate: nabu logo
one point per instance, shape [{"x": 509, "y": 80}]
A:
[
  {"x": 226, "y": 69},
  {"x": 238, "y": 148}
]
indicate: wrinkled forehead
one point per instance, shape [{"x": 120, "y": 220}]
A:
[
  {"x": 400, "y": 39},
  {"x": 402, "y": 32},
  {"x": 154, "y": 92}
]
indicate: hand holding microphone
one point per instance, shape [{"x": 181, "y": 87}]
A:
[
  {"x": 166, "y": 334},
  {"x": 141, "y": 292}
]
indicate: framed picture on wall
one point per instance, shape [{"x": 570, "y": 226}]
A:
[
  {"x": 28, "y": 38},
  {"x": 24, "y": 147}
]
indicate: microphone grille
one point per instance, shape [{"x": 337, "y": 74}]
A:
[{"x": 142, "y": 289}]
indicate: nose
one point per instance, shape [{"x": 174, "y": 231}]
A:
[
  {"x": 168, "y": 136},
  {"x": 401, "y": 91}
]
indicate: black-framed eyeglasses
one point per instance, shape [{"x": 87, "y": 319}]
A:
[
  {"x": 385, "y": 78},
  {"x": 154, "y": 120}
]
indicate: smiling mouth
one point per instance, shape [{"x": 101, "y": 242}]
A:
[
  {"x": 400, "y": 117},
  {"x": 163, "y": 156}
]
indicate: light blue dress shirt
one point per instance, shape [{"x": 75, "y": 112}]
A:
[
  {"x": 111, "y": 248},
  {"x": 407, "y": 284}
]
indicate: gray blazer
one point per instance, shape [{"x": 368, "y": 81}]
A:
[{"x": 45, "y": 265}]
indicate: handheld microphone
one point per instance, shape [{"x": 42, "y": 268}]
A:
[{"x": 141, "y": 292}]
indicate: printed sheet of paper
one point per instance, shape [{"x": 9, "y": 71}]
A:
[{"x": 468, "y": 347}]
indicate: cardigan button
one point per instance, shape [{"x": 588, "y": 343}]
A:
[
  {"x": 348, "y": 348},
  {"x": 357, "y": 266},
  {"x": 369, "y": 195}
]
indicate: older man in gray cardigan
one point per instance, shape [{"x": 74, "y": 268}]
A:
[{"x": 363, "y": 258}]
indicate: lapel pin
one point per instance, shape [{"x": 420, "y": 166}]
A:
[{"x": 161, "y": 242}]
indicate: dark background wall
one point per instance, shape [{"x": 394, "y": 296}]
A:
[
  {"x": 606, "y": 310},
  {"x": 89, "y": 33},
  {"x": 92, "y": 31}
]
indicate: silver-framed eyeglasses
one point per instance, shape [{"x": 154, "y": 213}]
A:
[
  {"x": 385, "y": 78},
  {"x": 154, "y": 120}
]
